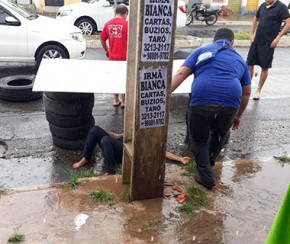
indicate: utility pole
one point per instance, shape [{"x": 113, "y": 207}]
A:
[{"x": 149, "y": 69}]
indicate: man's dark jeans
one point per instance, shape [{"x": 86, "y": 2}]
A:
[
  {"x": 112, "y": 149},
  {"x": 208, "y": 127}
]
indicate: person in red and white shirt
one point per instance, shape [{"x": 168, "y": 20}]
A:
[{"x": 114, "y": 41}]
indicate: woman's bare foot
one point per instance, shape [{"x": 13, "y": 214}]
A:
[{"x": 80, "y": 163}]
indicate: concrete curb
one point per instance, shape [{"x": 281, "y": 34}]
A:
[{"x": 194, "y": 42}]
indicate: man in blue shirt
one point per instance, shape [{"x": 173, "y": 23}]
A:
[{"x": 219, "y": 95}]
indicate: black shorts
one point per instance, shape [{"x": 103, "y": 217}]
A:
[{"x": 260, "y": 54}]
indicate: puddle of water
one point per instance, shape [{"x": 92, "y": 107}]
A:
[{"x": 240, "y": 209}]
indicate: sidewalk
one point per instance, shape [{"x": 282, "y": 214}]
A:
[
  {"x": 188, "y": 41},
  {"x": 194, "y": 42}
]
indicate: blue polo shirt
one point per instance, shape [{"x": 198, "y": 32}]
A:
[{"x": 220, "y": 81}]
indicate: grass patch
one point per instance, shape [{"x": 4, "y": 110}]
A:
[
  {"x": 3, "y": 191},
  {"x": 94, "y": 37},
  {"x": 242, "y": 35},
  {"x": 101, "y": 196},
  {"x": 126, "y": 195},
  {"x": 75, "y": 175},
  {"x": 284, "y": 158},
  {"x": 119, "y": 169},
  {"x": 73, "y": 179},
  {"x": 86, "y": 173},
  {"x": 16, "y": 238},
  {"x": 190, "y": 168},
  {"x": 197, "y": 197}
]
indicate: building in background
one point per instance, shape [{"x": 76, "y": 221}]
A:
[{"x": 235, "y": 6}]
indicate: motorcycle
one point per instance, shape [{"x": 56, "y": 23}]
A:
[{"x": 201, "y": 13}]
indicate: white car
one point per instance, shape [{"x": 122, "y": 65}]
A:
[
  {"x": 26, "y": 37},
  {"x": 91, "y": 16}
]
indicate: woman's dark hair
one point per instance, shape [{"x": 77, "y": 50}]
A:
[
  {"x": 121, "y": 9},
  {"x": 224, "y": 33}
]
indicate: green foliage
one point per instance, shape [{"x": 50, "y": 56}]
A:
[
  {"x": 283, "y": 158},
  {"x": 196, "y": 197},
  {"x": 2, "y": 190},
  {"x": 119, "y": 170},
  {"x": 16, "y": 238},
  {"x": 86, "y": 173},
  {"x": 242, "y": 36},
  {"x": 190, "y": 168},
  {"x": 102, "y": 196},
  {"x": 126, "y": 195},
  {"x": 73, "y": 179}
]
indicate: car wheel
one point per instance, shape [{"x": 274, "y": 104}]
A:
[
  {"x": 18, "y": 88},
  {"x": 51, "y": 52},
  {"x": 87, "y": 26}
]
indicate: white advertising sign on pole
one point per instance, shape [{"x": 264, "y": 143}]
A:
[
  {"x": 157, "y": 30},
  {"x": 153, "y": 83}
]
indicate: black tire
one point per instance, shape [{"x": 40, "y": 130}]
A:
[
  {"x": 87, "y": 26},
  {"x": 181, "y": 54},
  {"x": 68, "y": 144},
  {"x": 69, "y": 108},
  {"x": 211, "y": 20},
  {"x": 74, "y": 133},
  {"x": 68, "y": 96},
  {"x": 189, "y": 18},
  {"x": 18, "y": 88},
  {"x": 51, "y": 52},
  {"x": 67, "y": 121}
]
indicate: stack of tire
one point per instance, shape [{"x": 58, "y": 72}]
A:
[{"x": 70, "y": 118}]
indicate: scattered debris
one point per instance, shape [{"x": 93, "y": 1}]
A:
[{"x": 80, "y": 220}]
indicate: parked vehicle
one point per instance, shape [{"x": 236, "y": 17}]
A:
[
  {"x": 91, "y": 16},
  {"x": 201, "y": 13},
  {"x": 27, "y": 37},
  {"x": 119, "y": 1}
]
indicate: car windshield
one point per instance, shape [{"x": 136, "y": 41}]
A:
[{"x": 24, "y": 13}]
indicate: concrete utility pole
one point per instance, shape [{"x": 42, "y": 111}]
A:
[{"x": 149, "y": 69}]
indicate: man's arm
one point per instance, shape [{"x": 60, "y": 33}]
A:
[
  {"x": 281, "y": 33},
  {"x": 114, "y": 135},
  {"x": 105, "y": 47},
  {"x": 253, "y": 28},
  {"x": 181, "y": 74},
  {"x": 183, "y": 160},
  {"x": 244, "y": 102}
]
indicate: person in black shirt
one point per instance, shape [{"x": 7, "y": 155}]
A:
[{"x": 265, "y": 34}]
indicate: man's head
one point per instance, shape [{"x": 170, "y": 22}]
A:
[
  {"x": 122, "y": 10},
  {"x": 224, "y": 33}
]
